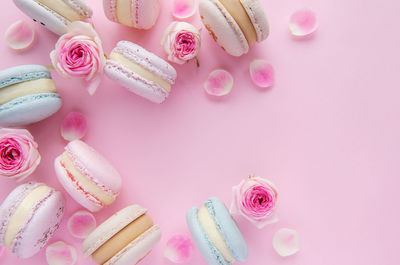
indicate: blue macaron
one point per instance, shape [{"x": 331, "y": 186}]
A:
[
  {"x": 226, "y": 228},
  {"x": 27, "y": 95}
]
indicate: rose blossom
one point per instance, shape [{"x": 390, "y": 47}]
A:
[
  {"x": 79, "y": 54},
  {"x": 19, "y": 156},
  {"x": 181, "y": 41},
  {"x": 255, "y": 199}
]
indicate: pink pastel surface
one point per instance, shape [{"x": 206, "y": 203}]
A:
[{"x": 327, "y": 134}]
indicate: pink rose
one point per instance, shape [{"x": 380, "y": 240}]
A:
[
  {"x": 181, "y": 41},
  {"x": 79, "y": 54},
  {"x": 19, "y": 156},
  {"x": 255, "y": 199}
]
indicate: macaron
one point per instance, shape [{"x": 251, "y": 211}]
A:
[
  {"x": 29, "y": 216},
  {"x": 87, "y": 176},
  {"x": 125, "y": 238},
  {"x": 55, "y": 15},
  {"x": 27, "y": 95},
  {"x": 140, "y": 14},
  {"x": 216, "y": 233},
  {"x": 140, "y": 71},
  {"x": 235, "y": 25}
]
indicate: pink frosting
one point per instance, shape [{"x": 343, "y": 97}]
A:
[
  {"x": 181, "y": 42},
  {"x": 255, "y": 199},
  {"x": 19, "y": 156},
  {"x": 79, "y": 54}
]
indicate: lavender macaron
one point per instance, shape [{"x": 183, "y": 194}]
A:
[
  {"x": 29, "y": 216},
  {"x": 140, "y": 71}
]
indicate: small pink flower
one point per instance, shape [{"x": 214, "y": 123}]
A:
[
  {"x": 79, "y": 54},
  {"x": 181, "y": 41},
  {"x": 19, "y": 156},
  {"x": 255, "y": 199}
]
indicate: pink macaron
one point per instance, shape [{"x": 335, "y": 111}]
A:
[
  {"x": 140, "y": 71},
  {"x": 87, "y": 176},
  {"x": 29, "y": 216},
  {"x": 140, "y": 14}
]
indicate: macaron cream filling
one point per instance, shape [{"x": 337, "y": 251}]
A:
[
  {"x": 239, "y": 14},
  {"x": 122, "y": 239},
  {"x": 84, "y": 183},
  {"x": 63, "y": 9},
  {"x": 17, "y": 220},
  {"x": 140, "y": 70},
  {"x": 124, "y": 8},
  {"x": 26, "y": 88},
  {"x": 214, "y": 235}
]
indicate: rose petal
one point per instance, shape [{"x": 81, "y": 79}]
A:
[
  {"x": 74, "y": 126},
  {"x": 183, "y": 9},
  {"x": 178, "y": 249},
  {"x": 303, "y": 22},
  {"x": 262, "y": 73},
  {"x": 81, "y": 224},
  {"x": 60, "y": 253},
  {"x": 219, "y": 83},
  {"x": 20, "y": 35},
  {"x": 286, "y": 242}
]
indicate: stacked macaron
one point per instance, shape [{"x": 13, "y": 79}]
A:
[
  {"x": 140, "y": 71},
  {"x": 235, "y": 25},
  {"x": 87, "y": 176},
  {"x": 123, "y": 239},
  {"x": 27, "y": 95},
  {"x": 140, "y": 14},
  {"x": 216, "y": 233},
  {"x": 55, "y": 15},
  {"x": 29, "y": 216}
]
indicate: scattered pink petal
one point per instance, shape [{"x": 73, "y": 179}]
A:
[
  {"x": 303, "y": 22},
  {"x": 60, "y": 253},
  {"x": 286, "y": 242},
  {"x": 81, "y": 224},
  {"x": 219, "y": 83},
  {"x": 262, "y": 73},
  {"x": 20, "y": 35},
  {"x": 74, "y": 126},
  {"x": 183, "y": 9},
  {"x": 178, "y": 249}
]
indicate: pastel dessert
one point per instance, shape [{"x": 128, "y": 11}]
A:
[
  {"x": 235, "y": 25},
  {"x": 87, "y": 176},
  {"x": 139, "y": 14},
  {"x": 27, "y": 95},
  {"x": 216, "y": 233},
  {"x": 125, "y": 238},
  {"x": 29, "y": 216},
  {"x": 140, "y": 71},
  {"x": 55, "y": 15}
]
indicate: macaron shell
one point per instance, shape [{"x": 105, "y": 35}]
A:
[
  {"x": 111, "y": 227},
  {"x": 210, "y": 253},
  {"x": 72, "y": 190},
  {"x": 223, "y": 27},
  {"x": 10, "y": 204},
  {"x": 227, "y": 226},
  {"x": 45, "y": 220},
  {"x": 135, "y": 83},
  {"x": 147, "y": 60},
  {"x": 257, "y": 16},
  {"x": 29, "y": 109},
  {"x": 138, "y": 248},
  {"x": 23, "y": 73},
  {"x": 109, "y": 9},
  {"x": 50, "y": 19},
  {"x": 95, "y": 165},
  {"x": 145, "y": 13},
  {"x": 81, "y": 7}
]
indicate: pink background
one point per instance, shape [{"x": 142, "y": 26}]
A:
[{"x": 327, "y": 133}]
